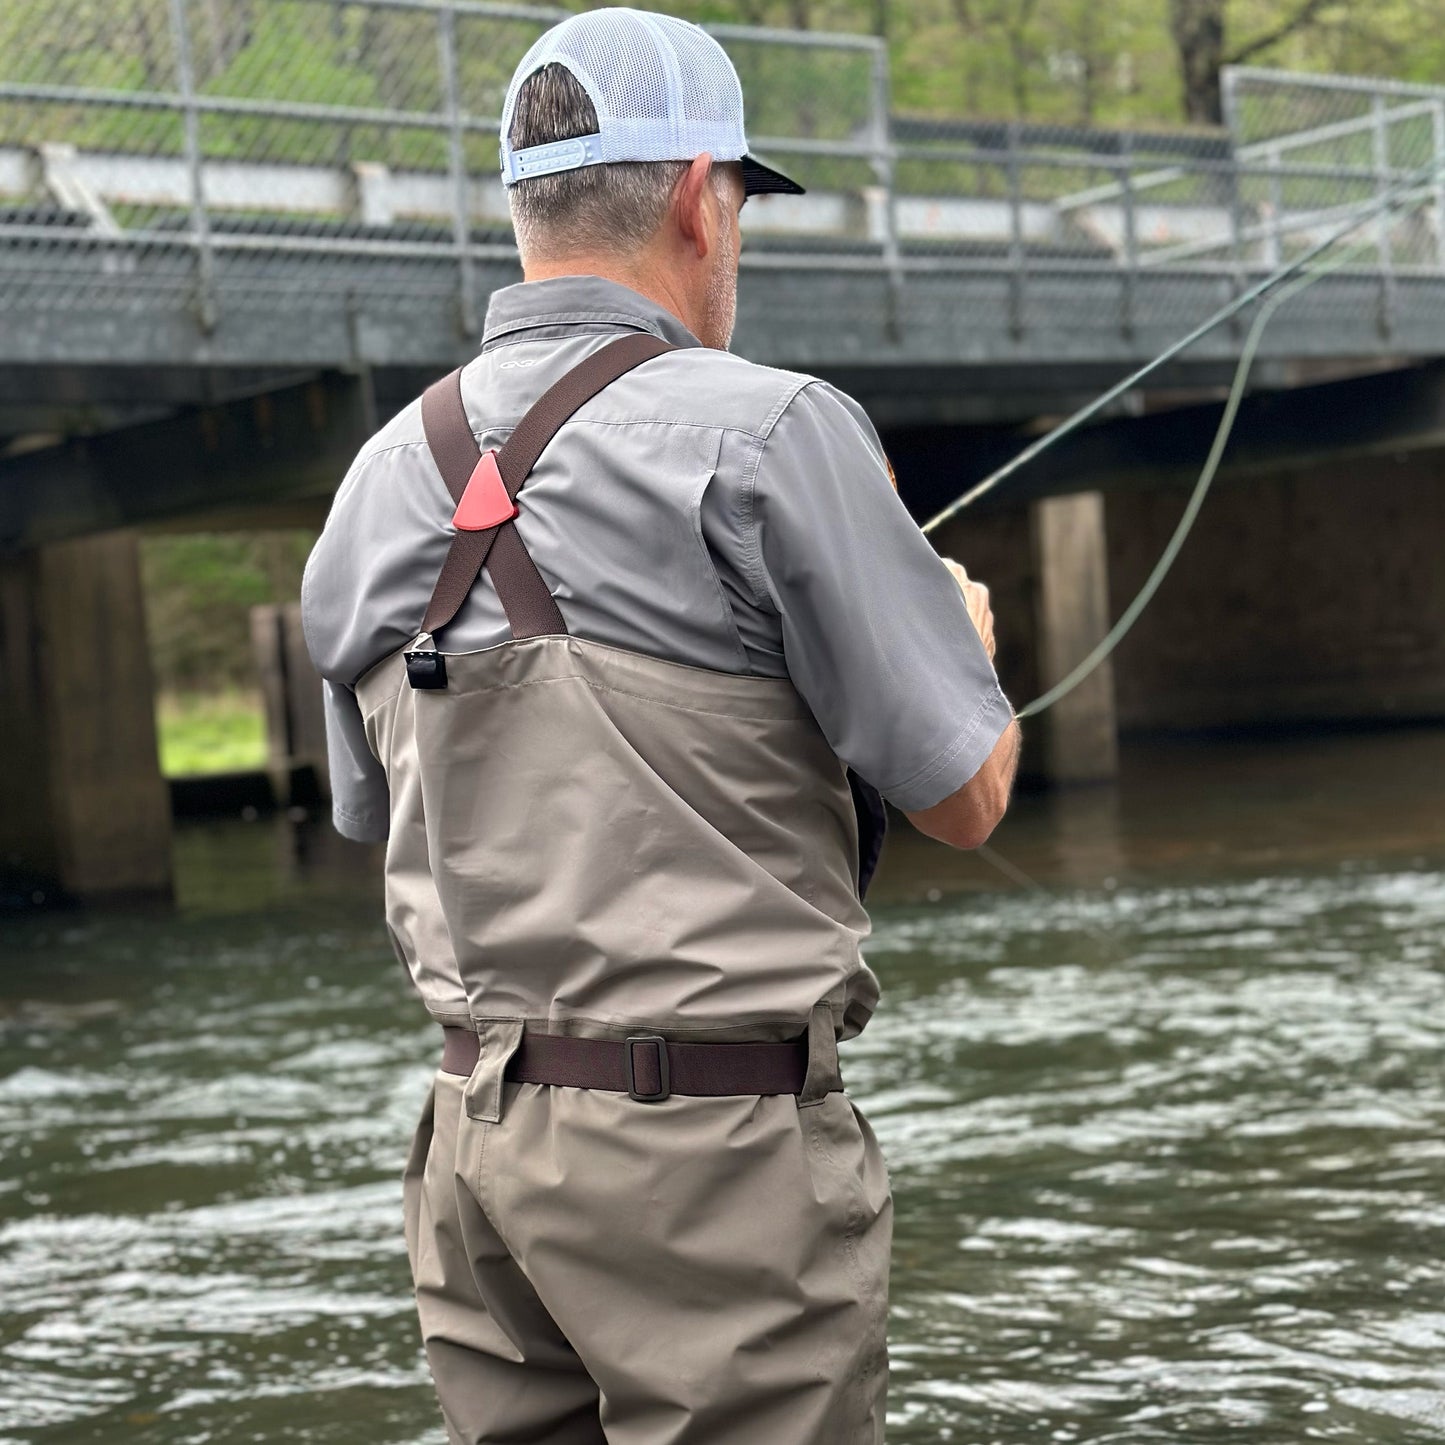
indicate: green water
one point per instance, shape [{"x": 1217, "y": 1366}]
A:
[{"x": 1166, "y": 1126}]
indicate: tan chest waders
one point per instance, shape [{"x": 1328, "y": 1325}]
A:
[
  {"x": 590, "y": 839},
  {"x": 639, "y": 1210}
]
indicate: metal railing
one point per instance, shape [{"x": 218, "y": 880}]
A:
[{"x": 301, "y": 151}]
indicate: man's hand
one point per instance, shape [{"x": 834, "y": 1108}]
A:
[{"x": 975, "y": 597}]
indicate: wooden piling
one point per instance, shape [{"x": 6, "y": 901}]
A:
[
  {"x": 1071, "y": 612},
  {"x": 291, "y": 691}
]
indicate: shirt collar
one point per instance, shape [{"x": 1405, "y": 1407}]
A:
[{"x": 583, "y": 302}]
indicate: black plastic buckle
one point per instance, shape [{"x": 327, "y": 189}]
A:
[
  {"x": 426, "y": 670},
  {"x": 664, "y": 1074}
]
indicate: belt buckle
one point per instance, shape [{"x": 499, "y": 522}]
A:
[{"x": 663, "y": 1072}]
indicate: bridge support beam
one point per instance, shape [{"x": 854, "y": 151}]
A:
[
  {"x": 1079, "y": 733},
  {"x": 84, "y": 812}
]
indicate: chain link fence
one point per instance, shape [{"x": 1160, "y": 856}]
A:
[
  {"x": 167, "y": 156},
  {"x": 1299, "y": 157}
]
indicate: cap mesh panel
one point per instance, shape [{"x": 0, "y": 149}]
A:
[{"x": 664, "y": 89}]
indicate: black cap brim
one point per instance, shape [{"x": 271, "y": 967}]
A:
[{"x": 761, "y": 180}]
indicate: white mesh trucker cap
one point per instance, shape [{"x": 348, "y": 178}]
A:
[{"x": 663, "y": 89}]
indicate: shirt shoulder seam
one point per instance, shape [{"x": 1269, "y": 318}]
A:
[
  {"x": 366, "y": 458},
  {"x": 757, "y": 572},
  {"x": 784, "y": 401}
]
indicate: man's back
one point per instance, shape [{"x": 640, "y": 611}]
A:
[
  {"x": 637, "y": 511},
  {"x": 703, "y": 510}
]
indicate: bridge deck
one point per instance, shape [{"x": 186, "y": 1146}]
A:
[
  {"x": 101, "y": 302},
  {"x": 207, "y": 224}
]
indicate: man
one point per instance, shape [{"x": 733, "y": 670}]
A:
[{"x": 623, "y": 861}]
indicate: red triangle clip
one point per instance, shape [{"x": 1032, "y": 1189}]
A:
[{"x": 485, "y": 502}]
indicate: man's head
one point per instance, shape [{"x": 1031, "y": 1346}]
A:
[{"x": 624, "y": 153}]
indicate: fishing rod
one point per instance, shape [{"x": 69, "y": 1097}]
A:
[
  {"x": 1175, "y": 545},
  {"x": 1308, "y": 268},
  {"x": 1386, "y": 200},
  {"x": 1145, "y": 595}
]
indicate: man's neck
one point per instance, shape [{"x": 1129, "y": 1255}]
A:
[{"x": 651, "y": 283}]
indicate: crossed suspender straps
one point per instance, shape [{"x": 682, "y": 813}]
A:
[{"x": 530, "y": 610}]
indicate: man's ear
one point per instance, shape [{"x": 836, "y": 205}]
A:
[{"x": 690, "y": 200}]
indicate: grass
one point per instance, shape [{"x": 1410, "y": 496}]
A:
[{"x": 219, "y": 732}]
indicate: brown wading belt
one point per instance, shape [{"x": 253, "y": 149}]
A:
[{"x": 645, "y": 1066}]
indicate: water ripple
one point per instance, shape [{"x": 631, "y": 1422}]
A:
[{"x": 1169, "y": 1165}]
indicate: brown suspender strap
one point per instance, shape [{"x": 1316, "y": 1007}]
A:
[{"x": 531, "y": 611}]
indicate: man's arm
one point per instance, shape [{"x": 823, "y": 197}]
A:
[
  {"x": 360, "y": 802},
  {"x": 965, "y": 818},
  {"x": 351, "y": 617},
  {"x": 876, "y": 634}
]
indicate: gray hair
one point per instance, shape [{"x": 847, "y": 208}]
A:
[{"x": 614, "y": 208}]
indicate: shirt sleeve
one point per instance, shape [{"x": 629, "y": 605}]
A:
[
  {"x": 360, "y": 802},
  {"x": 876, "y": 635}
]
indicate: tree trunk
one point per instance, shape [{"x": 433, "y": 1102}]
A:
[
  {"x": 1198, "y": 30},
  {"x": 155, "y": 79},
  {"x": 1088, "y": 44},
  {"x": 1021, "y": 55}
]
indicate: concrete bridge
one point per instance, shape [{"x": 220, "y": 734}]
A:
[{"x": 211, "y": 291}]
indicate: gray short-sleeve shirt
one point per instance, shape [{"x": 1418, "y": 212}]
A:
[{"x": 702, "y": 509}]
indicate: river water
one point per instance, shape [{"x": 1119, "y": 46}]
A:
[{"x": 1160, "y": 1085}]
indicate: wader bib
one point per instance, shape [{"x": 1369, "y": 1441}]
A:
[{"x": 639, "y": 1210}]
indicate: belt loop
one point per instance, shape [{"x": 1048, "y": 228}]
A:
[
  {"x": 499, "y": 1039},
  {"x": 822, "y": 1077}
]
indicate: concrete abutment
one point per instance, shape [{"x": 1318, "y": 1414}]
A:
[
  {"x": 1305, "y": 595},
  {"x": 84, "y": 811}
]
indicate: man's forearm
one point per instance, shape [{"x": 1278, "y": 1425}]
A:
[{"x": 966, "y": 818}]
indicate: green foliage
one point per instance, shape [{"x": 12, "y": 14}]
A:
[
  {"x": 98, "y": 45},
  {"x": 199, "y": 589},
  {"x": 221, "y": 732},
  {"x": 304, "y": 53},
  {"x": 1065, "y": 61},
  {"x": 123, "y": 46}
]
